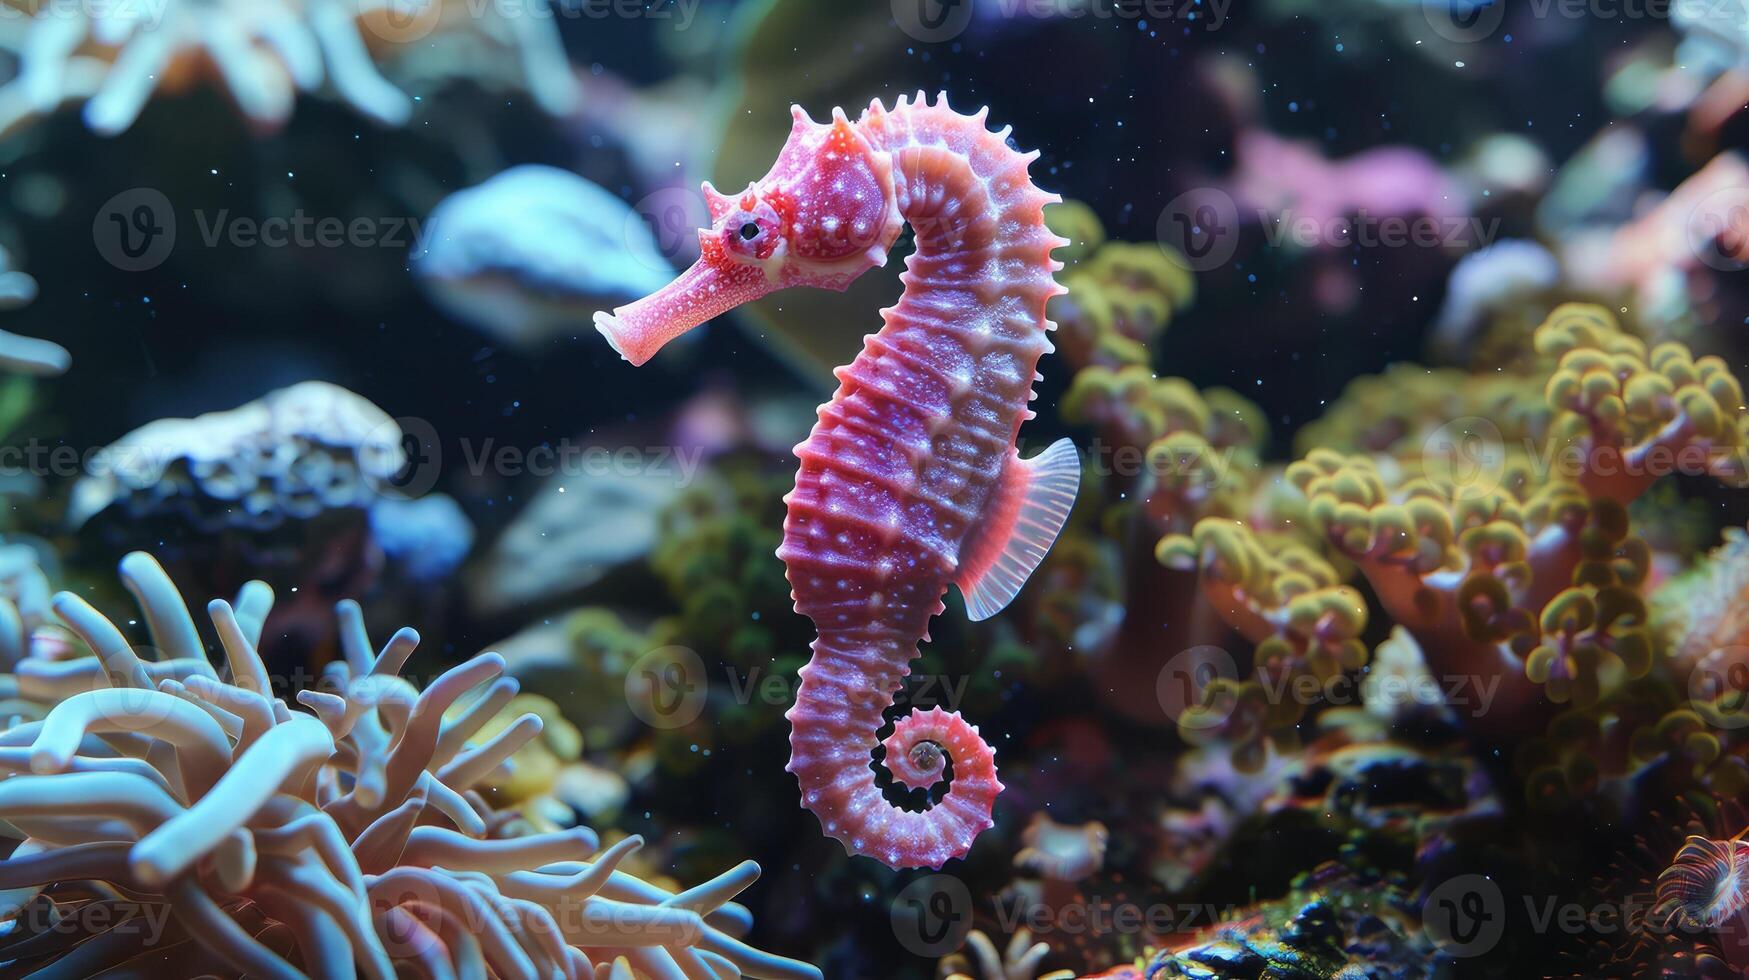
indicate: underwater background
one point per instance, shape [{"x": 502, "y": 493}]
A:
[{"x": 1400, "y": 627}]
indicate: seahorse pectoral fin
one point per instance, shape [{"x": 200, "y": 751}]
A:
[{"x": 1026, "y": 513}]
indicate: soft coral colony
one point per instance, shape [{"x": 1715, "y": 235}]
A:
[
  {"x": 347, "y": 834},
  {"x": 1504, "y": 521},
  {"x": 1490, "y": 520}
]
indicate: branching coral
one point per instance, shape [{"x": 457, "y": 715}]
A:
[
  {"x": 349, "y": 838},
  {"x": 1119, "y": 299},
  {"x": 1194, "y": 452},
  {"x": 1502, "y": 546},
  {"x": 1409, "y": 409},
  {"x": 114, "y": 57}
]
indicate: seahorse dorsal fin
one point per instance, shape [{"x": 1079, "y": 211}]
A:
[{"x": 1025, "y": 514}]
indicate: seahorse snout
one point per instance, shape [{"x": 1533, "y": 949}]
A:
[{"x": 711, "y": 287}]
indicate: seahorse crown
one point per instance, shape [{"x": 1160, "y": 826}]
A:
[{"x": 825, "y": 214}]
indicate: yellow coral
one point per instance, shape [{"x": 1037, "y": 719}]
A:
[
  {"x": 1631, "y": 416},
  {"x": 1121, "y": 295},
  {"x": 1521, "y": 567}
]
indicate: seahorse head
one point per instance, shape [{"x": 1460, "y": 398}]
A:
[{"x": 825, "y": 214}]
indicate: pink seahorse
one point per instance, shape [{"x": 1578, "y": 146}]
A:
[{"x": 910, "y": 480}]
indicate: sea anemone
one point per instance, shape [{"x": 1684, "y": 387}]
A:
[
  {"x": 114, "y": 56},
  {"x": 1019, "y": 960},
  {"x": 1707, "y": 882},
  {"x": 20, "y": 354},
  {"x": 352, "y": 836},
  {"x": 1062, "y": 852}
]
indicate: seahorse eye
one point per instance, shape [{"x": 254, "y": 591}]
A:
[{"x": 749, "y": 231}]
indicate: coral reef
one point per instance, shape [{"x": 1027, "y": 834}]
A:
[
  {"x": 351, "y": 832},
  {"x": 113, "y": 58},
  {"x": 1513, "y": 567},
  {"x": 292, "y": 454}
]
